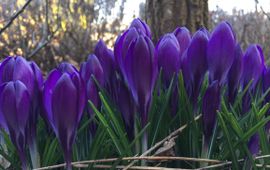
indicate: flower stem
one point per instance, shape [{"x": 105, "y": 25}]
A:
[
  {"x": 34, "y": 155},
  {"x": 68, "y": 158},
  {"x": 144, "y": 145},
  {"x": 23, "y": 160}
]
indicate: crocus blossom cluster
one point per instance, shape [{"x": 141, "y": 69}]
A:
[{"x": 128, "y": 74}]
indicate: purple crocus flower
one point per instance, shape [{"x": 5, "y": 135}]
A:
[
  {"x": 106, "y": 58},
  {"x": 183, "y": 36},
  {"x": 17, "y": 68},
  {"x": 64, "y": 97},
  {"x": 220, "y": 52},
  {"x": 126, "y": 106},
  {"x": 67, "y": 67},
  {"x": 92, "y": 67},
  {"x": 168, "y": 55},
  {"x": 210, "y": 105},
  {"x": 206, "y": 32},
  {"x": 235, "y": 73},
  {"x": 253, "y": 65},
  {"x": 15, "y": 105},
  {"x": 141, "y": 70},
  {"x": 141, "y": 27},
  {"x": 195, "y": 64},
  {"x": 121, "y": 47}
]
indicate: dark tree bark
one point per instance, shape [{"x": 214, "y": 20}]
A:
[{"x": 164, "y": 16}]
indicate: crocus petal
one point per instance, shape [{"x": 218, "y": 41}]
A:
[
  {"x": 253, "y": 65},
  {"x": 67, "y": 67},
  {"x": 126, "y": 107},
  {"x": 141, "y": 27},
  {"x": 17, "y": 68},
  {"x": 47, "y": 94},
  {"x": 196, "y": 62},
  {"x": 24, "y": 73},
  {"x": 81, "y": 98},
  {"x": 141, "y": 81},
  {"x": 92, "y": 93},
  {"x": 220, "y": 52},
  {"x": 38, "y": 75},
  {"x": 168, "y": 54},
  {"x": 122, "y": 45},
  {"x": 2, "y": 117},
  {"x": 7, "y": 105},
  {"x": 183, "y": 36},
  {"x": 22, "y": 104},
  {"x": 64, "y": 94},
  {"x": 211, "y": 103},
  {"x": 92, "y": 67},
  {"x": 106, "y": 58},
  {"x": 6, "y": 70},
  {"x": 235, "y": 73},
  {"x": 15, "y": 106}
]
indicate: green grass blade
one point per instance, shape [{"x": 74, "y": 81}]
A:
[
  {"x": 229, "y": 141},
  {"x": 111, "y": 133}
]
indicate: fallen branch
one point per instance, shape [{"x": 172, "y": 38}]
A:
[
  {"x": 135, "y": 167},
  {"x": 217, "y": 163},
  {"x": 230, "y": 162},
  {"x": 172, "y": 135},
  {"x": 14, "y": 17},
  {"x": 148, "y": 158}
]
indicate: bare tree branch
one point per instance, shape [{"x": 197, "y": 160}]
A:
[
  {"x": 266, "y": 14},
  {"x": 15, "y": 16},
  {"x": 47, "y": 36},
  {"x": 42, "y": 44}
]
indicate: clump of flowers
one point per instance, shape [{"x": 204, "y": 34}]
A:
[{"x": 145, "y": 87}]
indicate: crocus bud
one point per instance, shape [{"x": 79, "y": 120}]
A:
[
  {"x": 141, "y": 27},
  {"x": 220, "y": 52},
  {"x": 253, "y": 65},
  {"x": 211, "y": 103},
  {"x": 15, "y": 105},
  {"x": 126, "y": 106},
  {"x": 183, "y": 36},
  {"x": 195, "y": 63},
  {"x": 235, "y": 73},
  {"x": 17, "y": 68},
  {"x": 168, "y": 55},
  {"x": 121, "y": 47},
  {"x": 141, "y": 70},
  {"x": 92, "y": 67},
  {"x": 106, "y": 58},
  {"x": 64, "y": 97},
  {"x": 67, "y": 67},
  {"x": 206, "y": 32}
]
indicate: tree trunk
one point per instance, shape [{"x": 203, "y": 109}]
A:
[{"x": 164, "y": 16}]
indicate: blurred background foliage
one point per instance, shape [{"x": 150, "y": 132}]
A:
[{"x": 51, "y": 31}]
